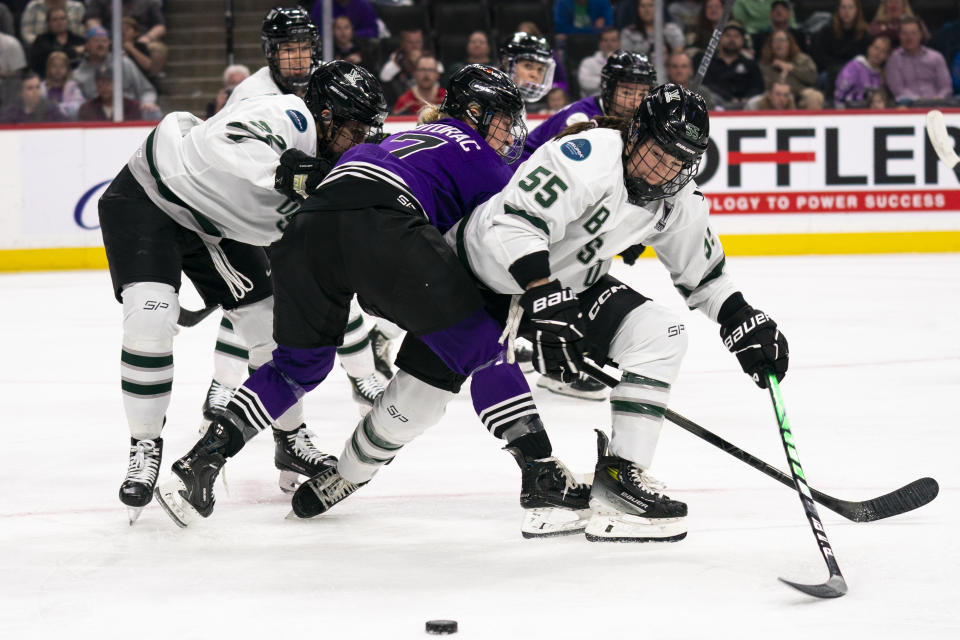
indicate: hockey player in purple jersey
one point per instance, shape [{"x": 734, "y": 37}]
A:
[
  {"x": 373, "y": 227},
  {"x": 625, "y": 81}
]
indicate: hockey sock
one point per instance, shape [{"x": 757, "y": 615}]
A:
[
  {"x": 637, "y": 405},
  {"x": 534, "y": 445},
  {"x": 356, "y": 354},
  {"x": 502, "y": 399},
  {"x": 229, "y": 356}
]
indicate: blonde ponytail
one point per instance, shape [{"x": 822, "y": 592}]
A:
[{"x": 430, "y": 113}]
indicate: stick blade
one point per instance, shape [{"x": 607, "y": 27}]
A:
[
  {"x": 906, "y": 498},
  {"x": 940, "y": 140},
  {"x": 835, "y": 587}
]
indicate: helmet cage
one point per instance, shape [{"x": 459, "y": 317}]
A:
[
  {"x": 624, "y": 67},
  {"x": 289, "y": 25}
]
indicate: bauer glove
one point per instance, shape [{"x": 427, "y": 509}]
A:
[
  {"x": 558, "y": 329},
  {"x": 754, "y": 338},
  {"x": 300, "y": 174},
  {"x": 630, "y": 254}
]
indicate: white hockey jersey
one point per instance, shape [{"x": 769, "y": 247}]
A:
[
  {"x": 216, "y": 177},
  {"x": 569, "y": 198},
  {"x": 257, "y": 84}
]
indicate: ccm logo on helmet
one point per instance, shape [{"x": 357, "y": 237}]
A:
[
  {"x": 554, "y": 298},
  {"x": 745, "y": 327}
]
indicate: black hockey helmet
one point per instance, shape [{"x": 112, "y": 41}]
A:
[
  {"x": 477, "y": 93},
  {"x": 624, "y": 66},
  {"x": 676, "y": 120},
  {"x": 289, "y": 24},
  {"x": 524, "y": 46},
  {"x": 347, "y": 92}
]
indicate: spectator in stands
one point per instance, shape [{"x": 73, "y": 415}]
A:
[
  {"x": 135, "y": 85},
  {"x": 478, "y": 52},
  {"x": 33, "y": 22},
  {"x": 556, "y": 100},
  {"x": 363, "y": 17},
  {"x": 57, "y": 37},
  {"x": 680, "y": 71},
  {"x": 101, "y": 107},
  {"x": 134, "y": 48},
  {"x": 778, "y": 97},
  {"x": 754, "y": 15},
  {"x": 397, "y": 74},
  {"x": 879, "y": 98},
  {"x": 638, "y": 37},
  {"x": 581, "y": 16},
  {"x": 732, "y": 76},
  {"x": 684, "y": 13},
  {"x": 6, "y": 20},
  {"x": 781, "y": 19},
  {"x": 425, "y": 91},
  {"x": 862, "y": 74},
  {"x": 31, "y": 106},
  {"x": 59, "y": 88},
  {"x": 781, "y": 59},
  {"x": 344, "y": 48},
  {"x": 149, "y": 16},
  {"x": 588, "y": 75},
  {"x": 915, "y": 72},
  {"x": 846, "y": 36},
  {"x": 12, "y": 63},
  {"x": 887, "y": 20},
  {"x": 706, "y": 21},
  {"x": 947, "y": 42},
  {"x": 232, "y": 76}
]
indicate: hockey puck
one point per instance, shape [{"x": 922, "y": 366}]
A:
[{"x": 441, "y": 627}]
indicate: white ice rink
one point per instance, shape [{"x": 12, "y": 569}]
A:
[{"x": 871, "y": 393}]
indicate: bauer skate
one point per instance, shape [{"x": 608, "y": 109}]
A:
[
  {"x": 188, "y": 495},
  {"x": 554, "y": 504},
  {"x": 366, "y": 390},
  {"x": 318, "y": 494},
  {"x": 584, "y": 387},
  {"x": 629, "y": 505},
  {"x": 295, "y": 455},
  {"x": 137, "y": 488},
  {"x": 218, "y": 395}
]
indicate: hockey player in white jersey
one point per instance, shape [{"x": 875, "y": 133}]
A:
[
  {"x": 549, "y": 238},
  {"x": 203, "y": 198}
]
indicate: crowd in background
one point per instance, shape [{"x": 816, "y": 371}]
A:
[{"x": 56, "y": 62}]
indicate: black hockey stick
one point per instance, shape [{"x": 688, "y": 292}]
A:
[
  {"x": 941, "y": 141},
  {"x": 711, "y": 46},
  {"x": 835, "y": 586},
  {"x": 190, "y": 318},
  {"x": 907, "y": 498}
]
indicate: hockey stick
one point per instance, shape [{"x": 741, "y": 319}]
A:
[
  {"x": 190, "y": 318},
  {"x": 941, "y": 141},
  {"x": 835, "y": 586},
  {"x": 907, "y": 498},
  {"x": 711, "y": 46}
]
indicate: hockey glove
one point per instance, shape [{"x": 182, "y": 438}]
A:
[
  {"x": 300, "y": 174},
  {"x": 630, "y": 254},
  {"x": 754, "y": 338},
  {"x": 558, "y": 329}
]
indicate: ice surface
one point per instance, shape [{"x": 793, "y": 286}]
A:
[{"x": 871, "y": 395}]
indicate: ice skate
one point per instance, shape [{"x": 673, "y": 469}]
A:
[
  {"x": 218, "y": 395},
  {"x": 554, "y": 504},
  {"x": 142, "y": 468},
  {"x": 629, "y": 505},
  {"x": 296, "y": 455},
  {"x": 584, "y": 387},
  {"x": 318, "y": 494},
  {"x": 189, "y": 493},
  {"x": 380, "y": 344},
  {"x": 524, "y": 357},
  {"x": 366, "y": 390}
]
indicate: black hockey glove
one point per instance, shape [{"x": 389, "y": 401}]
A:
[
  {"x": 754, "y": 338},
  {"x": 300, "y": 174},
  {"x": 630, "y": 254},
  {"x": 558, "y": 329}
]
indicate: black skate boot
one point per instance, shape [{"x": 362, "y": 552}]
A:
[
  {"x": 218, "y": 395},
  {"x": 524, "y": 357},
  {"x": 629, "y": 504},
  {"x": 366, "y": 391},
  {"x": 319, "y": 493},
  {"x": 584, "y": 387},
  {"x": 380, "y": 344},
  {"x": 189, "y": 493},
  {"x": 554, "y": 504},
  {"x": 295, "y": 455},
  {"x": 137, "y": 488}
]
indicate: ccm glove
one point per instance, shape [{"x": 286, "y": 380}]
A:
[
  {"x": 558, "y": 329},
  {"x": 299, "y": 174},
  {"x": 754, "y": 338}
]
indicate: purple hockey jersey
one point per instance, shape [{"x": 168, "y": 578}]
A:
[
  {"x": 446, "y": 165},
  {"x": 580, "y": 111}
]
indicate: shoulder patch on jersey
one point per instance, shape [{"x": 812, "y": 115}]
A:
[
  {"x": 577, "y": 116},
  {"x": 299, "y": 120},
  {"x": 577, "y": 149}
]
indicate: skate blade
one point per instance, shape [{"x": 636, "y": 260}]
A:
[
  {"x": 549, "y": 522},
  {"x": 133, "y": 513},
  {"x": 180, "y": 511},
  {"x": 623, "y": 527},
  {"x": 563, "y": 389}
]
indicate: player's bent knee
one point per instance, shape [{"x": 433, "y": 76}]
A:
[
  {"x": 651, "y": 341},
  {"x": 150, "y": 312},
  {"x": 253, "y": 324},
  {"x": 409, "y": 407}
]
